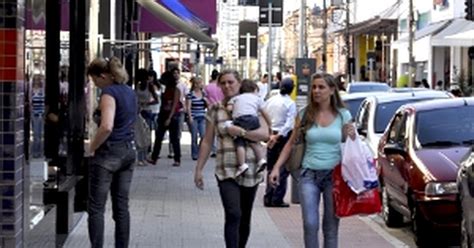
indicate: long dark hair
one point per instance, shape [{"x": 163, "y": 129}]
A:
[{"x": 313, "y": 107}]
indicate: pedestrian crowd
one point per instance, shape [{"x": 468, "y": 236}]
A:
[{"x": 230, "y": 119}]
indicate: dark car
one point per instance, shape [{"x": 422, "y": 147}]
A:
[
  {"x": 355, "y": 87},
  {"x": 465, "y": 182},
  {"x": 419, "y": 156}
]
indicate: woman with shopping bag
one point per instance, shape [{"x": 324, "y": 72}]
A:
[{"x": 325, "y": 123}]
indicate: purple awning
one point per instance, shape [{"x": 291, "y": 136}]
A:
[{"x": 204, "y": 14}]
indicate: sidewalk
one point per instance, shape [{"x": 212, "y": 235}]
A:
[{"x": 167, "y": 210}]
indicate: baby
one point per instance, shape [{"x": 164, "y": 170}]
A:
[{"x": 245, "y": 109}]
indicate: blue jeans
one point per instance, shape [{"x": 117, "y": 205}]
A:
[
  {"x": 198, "y": 127},
  {"x": 37, "y": 124},
  {"x": 311, "y": 185},
  {"x": 238, "y": 203},
  {"x": 111, "y": 169}
]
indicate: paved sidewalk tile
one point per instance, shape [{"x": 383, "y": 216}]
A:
[{"x": 167, "y": 210}]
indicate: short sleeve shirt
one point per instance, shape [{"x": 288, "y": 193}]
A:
[
  {"x": 323, "y": 144},
  {"x": 226, "y": 160}
]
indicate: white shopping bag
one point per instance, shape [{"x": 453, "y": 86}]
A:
[{"x": 358, "y": 166}]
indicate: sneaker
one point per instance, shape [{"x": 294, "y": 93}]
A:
[
  {"x": 170, "y": 156},
  {"x": 176, "y": 164},
  {"x": 213, "y": 155},
  {"x": 262, "y": 164},
  {"x": 241, "y": 170}
]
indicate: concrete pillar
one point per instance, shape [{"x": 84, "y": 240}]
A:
[{"x": 12, "y": 163}]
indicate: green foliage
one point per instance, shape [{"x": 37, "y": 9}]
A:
[{"x": 402, "y": 81}]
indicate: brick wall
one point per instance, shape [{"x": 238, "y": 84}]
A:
[{"x": 11, "y": 122}]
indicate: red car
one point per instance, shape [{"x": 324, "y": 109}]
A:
[{"x": 419, "y": 156}]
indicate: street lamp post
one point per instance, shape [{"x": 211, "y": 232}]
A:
[{"x": 411, "y": 37}]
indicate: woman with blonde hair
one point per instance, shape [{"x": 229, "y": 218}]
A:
[
  {"x": 113, "y": 151},
  {"x": 196, "y": 105},
  {"x": 325, "y": 123}
]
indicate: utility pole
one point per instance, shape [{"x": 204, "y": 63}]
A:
[
  {"x": 325, "y": 35},
  {"x": 348, "y": 45},
  {"x": 302, "y": 45},
  {"x": 411, "y": 37},
  {"x": 270, "y": 43}
]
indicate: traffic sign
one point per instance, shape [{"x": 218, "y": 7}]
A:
[
  {"x": 248, "y": 29},
  {"x": 277, "y": 13}
]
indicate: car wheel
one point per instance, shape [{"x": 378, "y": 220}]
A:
[
  {"x": 420, "y": 227},
  {"x": 391, "y": 217},
  {"x": 465, "y": 240}
]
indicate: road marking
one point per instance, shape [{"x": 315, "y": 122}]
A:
[{"x": 387, "y": 236}]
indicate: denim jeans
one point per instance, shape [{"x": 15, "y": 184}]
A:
[
  {"x": 111, "y": 169},
  {"x": 37, "y": 125},
  {"x": 238, "y": 203},
  {"x": 173, "y": 134},
  {"x": 198, "y": 127},
  {"x": 311, "y": 185}
]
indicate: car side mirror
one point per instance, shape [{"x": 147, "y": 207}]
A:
[{"x": 394, "y": 149}]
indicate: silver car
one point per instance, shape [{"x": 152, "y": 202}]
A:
[
  {"x": 376, "y": 111},
  {"x": 465, "y": 182}
]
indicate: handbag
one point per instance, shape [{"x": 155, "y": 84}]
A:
[
  {"x": 142, "y": 133},
  {"x": 348, "y": 203},
  {"x": 297, "y": 150}
]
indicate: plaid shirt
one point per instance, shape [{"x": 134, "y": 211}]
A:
[{"x": 226, "y": 157}]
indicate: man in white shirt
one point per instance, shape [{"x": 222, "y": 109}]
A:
[
  {"x": 263, "y": 87},
  {"x": 184, "y": 90},
  {"x": 282, "y": 111}
]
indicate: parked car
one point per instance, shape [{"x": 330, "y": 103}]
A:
[
  {"x": 419, "y": 155},
  {"x": 465, "y": 183},
  {"x": 354, "y": 87},
  {"x": 354, "y": 100},
  {"x": 376, "y": 110},
  {"x": 408, "y": 89}
]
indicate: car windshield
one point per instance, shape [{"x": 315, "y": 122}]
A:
[
  {"x": 354, "y": 105},
  {"x": 385, "y": 111},
  {"x": 456, "y": 127},
  {"x": 361, "y": 87}
]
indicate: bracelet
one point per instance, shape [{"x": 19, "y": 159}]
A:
[{"x": 243, "y": 132}]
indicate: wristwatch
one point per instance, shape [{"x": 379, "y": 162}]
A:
[{"x": 243, "y": 132}]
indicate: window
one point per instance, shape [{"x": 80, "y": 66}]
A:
[
  {"x": 363, "y": 117},
  {"x": 456, "y": 127},
  {"x": 398, "y": 124}
]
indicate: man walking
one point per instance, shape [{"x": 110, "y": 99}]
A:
[{"x": 282, "y": 111}]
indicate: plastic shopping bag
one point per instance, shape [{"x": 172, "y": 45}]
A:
[
  {"x": 347, "y": 203},
  {"x": 358, "y": 167}
]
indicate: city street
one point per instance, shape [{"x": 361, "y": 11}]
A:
[{"x": 169, "y": 211}]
